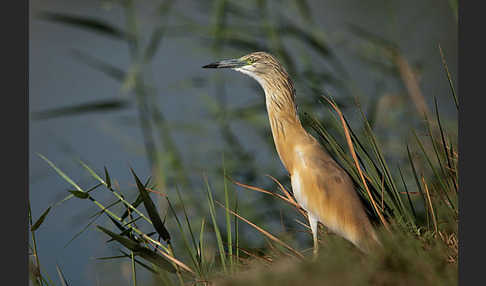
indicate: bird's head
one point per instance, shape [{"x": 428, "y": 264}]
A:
[{"x": 259, "y": 65}]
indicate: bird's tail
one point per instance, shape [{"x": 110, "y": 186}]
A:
[
  {"x": 371, "y": 242},
  {"x": 375, "y": 238}
]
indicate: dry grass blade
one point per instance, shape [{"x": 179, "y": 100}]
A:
[
  {"x": 303, "y": 224},
  {"x": 430, "y": 204},
  {"x": 267, "y": 260},
  {"x": 156, "y": 192},
  {"x": 355, "y": 158},
  {"x": 289, "y": 197},
  {"x": 411, "y": 83},
  {"x": 171, "y": 258},
  {"x": 290, "y": 201},
  {"x": 282, "y": 188},
  {"x": 264, "y": 232},
  {"x": 142, "y": 251},
  {"x": 382, "y": 191},
  {"x": 411, "y": 193}
]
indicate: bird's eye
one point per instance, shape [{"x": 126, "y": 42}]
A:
[{"x": 250, "y": 61}]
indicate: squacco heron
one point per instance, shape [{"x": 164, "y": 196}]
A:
[{"x": 319, "y": 184}]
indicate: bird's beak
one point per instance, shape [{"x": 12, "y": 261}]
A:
[{"x": 233, "y": 63}]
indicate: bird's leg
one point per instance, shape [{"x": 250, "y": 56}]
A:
[{"x": 313, "y": 224}]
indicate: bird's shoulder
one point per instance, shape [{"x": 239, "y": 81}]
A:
[
  {"x": 311, "y": 154},
  {"x": 313, "y": 160}
]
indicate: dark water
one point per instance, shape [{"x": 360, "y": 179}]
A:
[{"x": 113, "y": 139}]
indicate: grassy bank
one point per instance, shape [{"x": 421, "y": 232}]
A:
[{"x": 419, "y": 226}]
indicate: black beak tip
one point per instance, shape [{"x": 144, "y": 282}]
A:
[{"x": 210, "y": 66}]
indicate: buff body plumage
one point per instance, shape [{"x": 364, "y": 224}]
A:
[{"x": 319, "y": 184}]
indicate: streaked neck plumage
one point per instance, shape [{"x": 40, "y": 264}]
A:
[{"x": 286, "y": 127}]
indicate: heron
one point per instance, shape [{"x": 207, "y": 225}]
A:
[{"x": 319, "y": 184}]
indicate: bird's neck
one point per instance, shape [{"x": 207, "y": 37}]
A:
[{"x": 286, "y": 127}]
